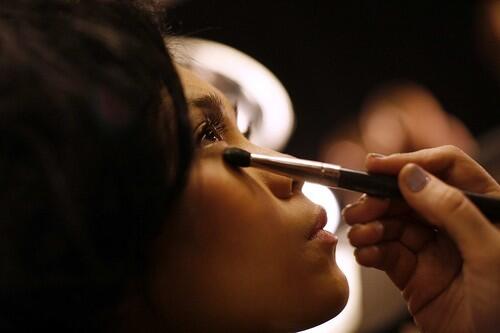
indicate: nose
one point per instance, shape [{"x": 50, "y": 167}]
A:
[{"x": 281, "y": 186}]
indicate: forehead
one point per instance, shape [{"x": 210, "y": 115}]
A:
[{"x": 196, "y": 88}]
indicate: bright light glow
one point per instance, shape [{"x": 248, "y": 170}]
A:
[
  {"x": 348, "y": 320},
  {"x": 323, "y": 196},
  {"x": 257, "y": 81},
  {"x": 243, "y": 121}
]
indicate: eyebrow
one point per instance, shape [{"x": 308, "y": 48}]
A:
[{"x": 212, "y": 103}]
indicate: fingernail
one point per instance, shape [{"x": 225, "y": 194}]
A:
[
  {"x": 343, "y": 213},
  {"x": 375, "y": 155},
  {"x": 416, "y": 178},
  {"x": 358, "y": 202}
]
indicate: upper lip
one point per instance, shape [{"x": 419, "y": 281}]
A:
[{"x": 320, "y": 221}]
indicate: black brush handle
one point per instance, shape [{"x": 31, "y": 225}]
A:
[
  {"x": 387, "y": 187},
  {"x": 488, "y": 205},
  {"x": 375, "y": 185}
]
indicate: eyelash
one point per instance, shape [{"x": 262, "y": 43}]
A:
[{"x": 212, "y": 129}]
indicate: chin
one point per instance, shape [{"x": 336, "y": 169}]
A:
[
  {"x": 324, "y": 301},
  {"x": 331, "y": 300},
  {"x": 341, "y": 292}
]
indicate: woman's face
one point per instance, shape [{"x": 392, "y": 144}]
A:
[{"x": 240, "y": 253}]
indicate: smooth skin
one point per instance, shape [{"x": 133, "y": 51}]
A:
[
  {"x": 437, "y": 248},
  {"x": 236, "y": 254}
]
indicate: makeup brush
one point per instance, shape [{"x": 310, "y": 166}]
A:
[{"x": 335, "y": 176}]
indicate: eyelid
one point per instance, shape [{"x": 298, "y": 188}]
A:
[
  {"x": 199, "y": 125},
  {"x": 209, "y": 116}
]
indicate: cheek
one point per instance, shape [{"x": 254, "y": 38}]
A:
[
  {"x": 232, "y": 227},
  {"x": 236, "y": 223},
  {"x": 231, "y": 210}
]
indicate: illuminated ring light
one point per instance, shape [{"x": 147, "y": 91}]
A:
[
  {"x": 262, "y": 100},
  {"x": 348, "y": 320},
  {"x": 324, "y": 197},
  {"x": 265, "y": 107}
]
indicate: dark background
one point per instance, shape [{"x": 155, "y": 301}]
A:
[{"x": 331, "y": 54}]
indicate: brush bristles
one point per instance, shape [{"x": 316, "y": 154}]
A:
[{"x": 237, "y": 157}]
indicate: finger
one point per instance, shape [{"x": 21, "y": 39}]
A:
[
  {"x": 446, "y": 208},
  {"x": 369, "y": 208},
  {"x": 392, "y": 257},
  {"x": 364, "y": 210},
  {"x": 372, "y": 233},
  {"x": 447, "y": 162},
  {"x": 410, "y": 232},
  {"x": 362, "y": 235},
  {"x": 433, "y": 159},
  {"x": 413, "y": 235},
  {"x": 416, "y": 235}
]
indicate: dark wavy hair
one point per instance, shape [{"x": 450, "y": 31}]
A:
[{"x": 94, "y": 148}]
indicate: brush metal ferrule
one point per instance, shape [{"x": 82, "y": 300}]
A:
[{"x": 299, "y": 169}]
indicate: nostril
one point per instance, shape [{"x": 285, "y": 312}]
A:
[
  {"x": 297, "y": 186},
  {"x": 284, "y": 187}
]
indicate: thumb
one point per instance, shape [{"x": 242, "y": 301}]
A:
[{"x": 445, "y": 207}]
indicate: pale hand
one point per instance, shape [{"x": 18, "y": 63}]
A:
[{"x": 438, "y": 248}]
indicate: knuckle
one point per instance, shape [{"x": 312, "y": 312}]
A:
[
  {"x": 453, "y": 151},
  {"x": 452, "y": 201}
]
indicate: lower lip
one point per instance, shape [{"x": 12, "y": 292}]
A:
[{"x": 325, "y": 236}]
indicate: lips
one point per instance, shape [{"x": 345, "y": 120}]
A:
[
  {"x": 321, "y": 219},
  {"x": 318, "y": 234}
]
